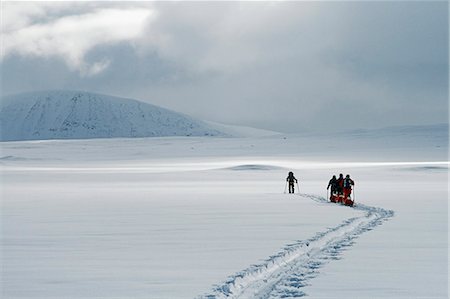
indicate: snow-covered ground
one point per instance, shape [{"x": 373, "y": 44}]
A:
[{"x": 186, "y": 217}]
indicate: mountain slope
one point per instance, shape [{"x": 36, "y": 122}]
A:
[{"x": 79, "y": 115}]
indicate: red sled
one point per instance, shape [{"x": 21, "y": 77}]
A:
[
  {"x": 334, "y": 198},
  {"x": 339, "y": 198},
  {"x": 348, "y": 202}
]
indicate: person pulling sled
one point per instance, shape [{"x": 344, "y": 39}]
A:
[
  {"x": 341, "y": 190},
  {"x": 333, "y": 183},
  {"x": 348, "y": 183},
  {"x": 291, "y": 180}
]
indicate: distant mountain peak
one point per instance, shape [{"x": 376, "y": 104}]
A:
[{"x": 67, "y": 114}]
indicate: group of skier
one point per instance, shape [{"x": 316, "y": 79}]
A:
[{"x": 339, "y": 186}]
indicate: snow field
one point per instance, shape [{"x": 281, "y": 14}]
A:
[
  {"x": 286, "y": 273},
  {"x": 169, "y": 235},
  {"x": 407, "y": 257},
  {"x": 177, "y": 218}
]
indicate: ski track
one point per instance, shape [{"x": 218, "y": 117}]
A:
[{"x": 285, "y": 274}]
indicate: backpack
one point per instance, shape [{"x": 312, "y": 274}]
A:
[{"x": 347, "y": 183}]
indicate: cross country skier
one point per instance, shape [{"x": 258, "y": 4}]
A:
[
  {"x": 291, "y": 179},
  {"x": 348, "y": 183},
  {"x": 333, "y": 183}
]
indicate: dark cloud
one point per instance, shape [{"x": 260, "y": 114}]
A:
[{"x": 288, "y": 66}]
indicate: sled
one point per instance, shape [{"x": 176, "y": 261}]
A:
[
  {"x": 348, "y": 202},
  {"x": 339, "y": 198},
  {"x": 333, "y": 199}
]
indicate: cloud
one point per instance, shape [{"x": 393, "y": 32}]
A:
[
  {"x": 224, "y": 37},
  {"x": 70, "y": 37},
  {"x": 287, "y": 66}
]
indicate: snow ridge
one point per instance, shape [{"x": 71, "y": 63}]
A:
[
  {"x": 284, "y": 274},
  {"x": 78, "y": 115}
]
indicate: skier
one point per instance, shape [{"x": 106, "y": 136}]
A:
[
  {"x": 291, "y": 179},
  {"x": 333, "y": 184},
  {"x": 348, "y": 183}
]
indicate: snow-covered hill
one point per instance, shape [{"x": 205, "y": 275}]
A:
[{"x": 78, "y": 115}]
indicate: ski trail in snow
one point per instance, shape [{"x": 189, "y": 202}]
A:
[{"x": 286, "y": 273}]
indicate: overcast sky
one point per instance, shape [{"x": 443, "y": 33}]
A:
[{"x": 286, "y": 66}]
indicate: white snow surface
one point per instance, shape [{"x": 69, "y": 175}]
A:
[
  {"x": 207, "y": 217},
  {"x": 77, "y": 115},
  {"x": 241, "y": 131}
]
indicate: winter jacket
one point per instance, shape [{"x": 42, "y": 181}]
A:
[{"x": 291, "y": 179}]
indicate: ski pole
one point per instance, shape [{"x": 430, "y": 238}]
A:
[
  {"x": 327, "y": 195},
  {"x": 298, "y": 188},
  {"x": 285, "y": 187}
]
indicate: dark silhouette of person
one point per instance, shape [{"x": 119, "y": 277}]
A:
[
  {"x": 291, "y": 179},
  {"x": 348, "y": 183},
  {"x": 333, "y": 183}
]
